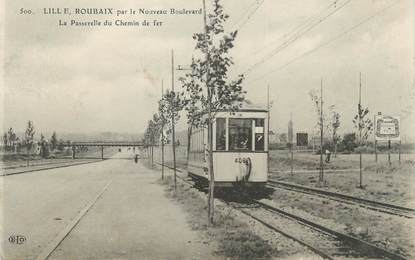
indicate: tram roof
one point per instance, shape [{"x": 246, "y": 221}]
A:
[{"x": 246, "y": 108}]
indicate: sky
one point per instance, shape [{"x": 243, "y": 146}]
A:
[{"x": 96, "y": 79}]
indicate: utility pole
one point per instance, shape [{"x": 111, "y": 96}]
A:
[
  {"x": 162, "y": 131},
  {"x": 291, "y": 136},
  {"x": 189, "y": 129},
  {"x": 172, "y": 122},
  {"x": 389, "y": 152},
  {"x": 399, "y": 151},
  {"x": 268, "y": 119},
  {"x": 360, "y": 129},
  {"x": 321, "y": 176},
  {"x": 374, "y": 138}
]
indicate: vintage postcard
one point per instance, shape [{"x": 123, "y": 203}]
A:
[{"x": 207, "y": 129}]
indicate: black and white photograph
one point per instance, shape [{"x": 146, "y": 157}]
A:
[{"x": 207, "y": 129}]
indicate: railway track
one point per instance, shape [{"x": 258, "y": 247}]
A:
[
  {"x": 344, "y": 198},
  {"x": 323, "y": 241}
]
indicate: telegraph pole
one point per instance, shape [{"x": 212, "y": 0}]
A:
[
  {"x": 389, "y": 152},
  {"x": 162, "y": 131},
  {"x": 374, "y": 137},
  {"x": 321, "y": 177},
  {"x": 399, "y": 151},
  {"x": 268, "y": 119},
  {"x": 189, "y": 129},
  {"x": 172, "y": 121},
  {"x": 360, "y": 129},
  {"x": 291, "y": 134}
]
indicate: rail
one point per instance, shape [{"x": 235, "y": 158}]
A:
[
  {"x": 365, "y": 248},
  {"x": 370, "y": 204}
]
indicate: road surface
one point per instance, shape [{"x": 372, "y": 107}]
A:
[{"x": 107, "y": 210}]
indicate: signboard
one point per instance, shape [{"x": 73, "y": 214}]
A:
[
  {"x": 302, "y": 139},
  {"x": 387, "y": 128}
]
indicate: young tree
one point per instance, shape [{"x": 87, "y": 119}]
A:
[
  {"x": 11, "y": 138},
  {"x": 348, "y": 142},
  {"x": 42, "y": 143},
  {"x": 29, "y": 136},
  {"x": 321, "y": 125},
  {"x": 61, "y": 145},
  {"x": 209, "y": 81},
  {"x": 364, "y": 127},
  {"x": 149, "y": 139},
  {"x": 329, "y": 126},
  {"x": 5, "y": 141},
  {"x": 18, "y": 144},
  {"x": 153, "y": 132},
  {"x": 53, "y": 141},
  {"x": 335, "y": 124},
  {"x": 363, "y": 124},
  {"x": 192, "y": 102},
  {"x": 315, "y": 99},
  {"x": 163, "y": 121},
  {"x": 169, "y": 107}
]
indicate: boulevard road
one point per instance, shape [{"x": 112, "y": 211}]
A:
[{"x": 113, "y": 209}]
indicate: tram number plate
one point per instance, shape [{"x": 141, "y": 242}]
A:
[{"x": 242, "y": 160}]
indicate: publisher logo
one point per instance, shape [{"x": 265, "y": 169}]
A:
[{"x": 17, "y": 239}]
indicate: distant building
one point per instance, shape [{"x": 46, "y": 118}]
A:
[{"x": 302, "y": 139}]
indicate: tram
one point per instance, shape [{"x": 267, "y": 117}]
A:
[{"x": 240, "y": 149}]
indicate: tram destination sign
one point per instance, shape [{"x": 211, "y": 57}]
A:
[{"x": 387, "y": 128}]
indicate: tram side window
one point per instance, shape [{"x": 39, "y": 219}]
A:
[
  {"x": 220, "y": 134},
  {"x": 259, "y": 135},
  {"x": 240, "y": 134}
]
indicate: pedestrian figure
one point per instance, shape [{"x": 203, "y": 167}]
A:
[
  {"x": 136, "y": 158},
  {"x": 327, "y": 152}
]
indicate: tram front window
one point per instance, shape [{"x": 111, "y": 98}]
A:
[{"x": 240, "y": 134}]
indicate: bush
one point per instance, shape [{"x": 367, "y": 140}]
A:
[
  {"x": 348, "y": 143},
  {"x": 365, "y": 149}
]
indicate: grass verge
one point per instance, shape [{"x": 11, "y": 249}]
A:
[{"x": 233, "y": 239}]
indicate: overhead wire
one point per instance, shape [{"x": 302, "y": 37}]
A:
[
  {"x": 259, "y": 3},
  {"x": 243, "y": 14},
  {"x": 338, "y": 36},
  {"x": 296, "y": 36},
  {"x": 294, "y": 30}
]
